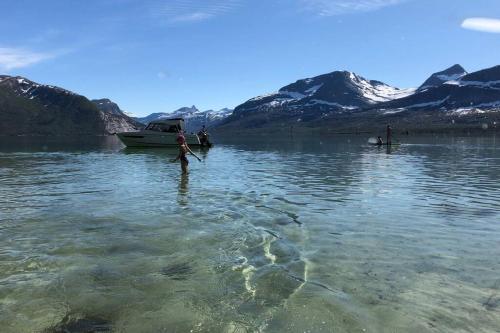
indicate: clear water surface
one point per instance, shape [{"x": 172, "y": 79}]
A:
[{"x": 316, "y": 235}]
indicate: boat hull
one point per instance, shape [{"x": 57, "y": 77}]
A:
[{"x": 155, "y": 139}]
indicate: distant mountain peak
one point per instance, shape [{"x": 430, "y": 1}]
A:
[
  {"x": 103, "y": 101},
  {"x": 457, "y": 68},
  {"x": 453, "y": 73},
  {"x": 338, "y": 90},
  {"x": 107, "y": 105},
  {"x": 491, "y": 74},
  {"x": 27, "y": 88},
  {"x": 186, "y": 109},
  {"x": 194, "y": 118}
]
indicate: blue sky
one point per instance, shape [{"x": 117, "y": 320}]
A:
[{"x": 158, "y": 55}]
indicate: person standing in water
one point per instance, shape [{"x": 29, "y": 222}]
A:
[
  {"x": 183, "y": 151},
  {"x": 203, "y": 136},
  {"x": 389, "y": 135}
]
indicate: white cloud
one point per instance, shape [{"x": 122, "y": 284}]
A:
[
  {"x": 482, "y": 24},
  {"x": 339, "y": 7},
  {"x": 13, "y": 58},
  {"x": 192, "y": 17},
  {"x": 177, "y": 11}
]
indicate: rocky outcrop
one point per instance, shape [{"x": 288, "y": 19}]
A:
[{"x": 115, "y": 119}]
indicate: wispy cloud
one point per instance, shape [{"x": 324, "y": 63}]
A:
[
  {"x": 482, "y": 24},
  {"x": 339, "y": 7},
  {"x": 178, "y": 11},
  {"x": 45, "y": 36},
  {"x": 13, "y": 58},
  {"x": 162, "y": 75}
]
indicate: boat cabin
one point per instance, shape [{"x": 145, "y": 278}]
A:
[{"x": 175, "y": 125}]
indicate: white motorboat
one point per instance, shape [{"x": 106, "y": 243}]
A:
[{"x": 159, "y": 133}]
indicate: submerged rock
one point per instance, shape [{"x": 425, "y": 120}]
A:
[
  {"x": 177, "y": 271},
  {"x": 273, "y": 285},
  {"x": 71, "y": 324}
]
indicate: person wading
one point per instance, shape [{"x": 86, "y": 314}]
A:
[
  {"x": 389, "y": 135},
  {"x": 183, "y": 151}
]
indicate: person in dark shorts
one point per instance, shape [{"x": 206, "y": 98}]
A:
[
  {"x": 389, "y": 135},
  {"x": 203, "y": 136},
  {"x": 183, "y": 151}
]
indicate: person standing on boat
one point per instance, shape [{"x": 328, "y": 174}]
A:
[
  {"x": 389, "y": 135},
  {"x": 183, "y": 151}
]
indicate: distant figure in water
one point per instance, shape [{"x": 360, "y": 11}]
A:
[
  {"x": 379, "y": 141},
  {"x": 203, "y": 136},
  {"x": 183, "y": 151},
  {"x": 389, "y": 135}
]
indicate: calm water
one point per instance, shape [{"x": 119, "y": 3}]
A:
[{"x": 325, "y": 235}]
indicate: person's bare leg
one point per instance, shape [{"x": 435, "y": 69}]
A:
[{"x": 184, "y": 167}]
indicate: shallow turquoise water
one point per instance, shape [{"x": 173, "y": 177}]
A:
[{"x": 323, "y": 235}]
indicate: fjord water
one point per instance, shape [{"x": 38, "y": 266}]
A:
[{"x": 294, "y": 235}]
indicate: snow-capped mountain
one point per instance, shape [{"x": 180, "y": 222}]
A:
[
  {"x": 30, "y": 108},
  {"x": 487, "y": 79},
  {"x": 345, "y": 98},
  {"x": 179, "y": 113},
  {"x": 454, "y": 73},
  {"x": 475, "y": 90},
  {"x": 29, "y": 89},
  {"x": 339, "y": 91},
  {"x": 193, "y": 117}
]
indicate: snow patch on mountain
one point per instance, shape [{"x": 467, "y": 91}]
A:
[
  {"x": 479, "y": 84},
  {"x": 454, "y": 73},
  {"x": 375, "y": 91},
  {"x": 29, "y": 89},
  {"x": 261, "y": 97},
  {"x": 428, "y": 104},
  {"x": 346, "y": 107},
  {"x": 313, "y": 89},
  {"x": 452, "y": 77}
]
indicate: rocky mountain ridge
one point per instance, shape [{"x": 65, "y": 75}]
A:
[
  {"x": 115, "y": 118},
  {"x": 340, "y": 99},
  {"x": 31, "y": 108},
  {"x": 343, "y": 98},
  {"x": 453, "y": 73},
  {"x": 193, "y": 117}
]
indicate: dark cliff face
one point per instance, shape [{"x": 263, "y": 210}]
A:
[
  {"x": 106, "y": 105},
  {"x": 115, "y": 119},
  {"x": 29, "y": 108}
]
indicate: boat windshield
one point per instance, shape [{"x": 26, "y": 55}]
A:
[{"x": 164, "y": 128}]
